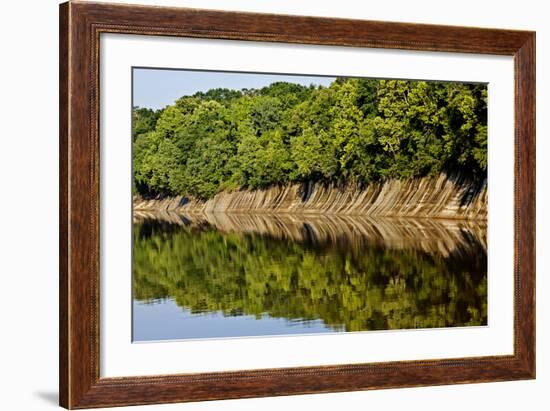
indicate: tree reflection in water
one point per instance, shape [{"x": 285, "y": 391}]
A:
[{"x": 352, "y": 273}]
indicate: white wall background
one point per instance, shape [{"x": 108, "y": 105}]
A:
[{"x": 28, "y": 204}]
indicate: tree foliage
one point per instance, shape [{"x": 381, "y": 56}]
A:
[
  {"x": 353, "y": 131},
  {"x": 143, "y": 121}
]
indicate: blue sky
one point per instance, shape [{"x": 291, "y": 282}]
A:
[{"x": 157, "y": 88}]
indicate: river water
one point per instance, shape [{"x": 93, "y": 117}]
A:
[{"x": 237, "y": 275}]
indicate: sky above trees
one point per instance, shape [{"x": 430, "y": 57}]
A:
[{"x": 158, "y": 88}]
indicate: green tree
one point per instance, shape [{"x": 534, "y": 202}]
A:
[
  {"x": 144, "y": 120},
  {"x": 355, "y": 131}
]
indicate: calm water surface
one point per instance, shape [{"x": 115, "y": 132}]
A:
[{"x": 231, "y": 275}]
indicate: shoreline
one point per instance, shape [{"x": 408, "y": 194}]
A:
[{"x": 443, "y": 197}]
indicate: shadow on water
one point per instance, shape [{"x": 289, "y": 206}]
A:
[{"x": 351, "y": 273}]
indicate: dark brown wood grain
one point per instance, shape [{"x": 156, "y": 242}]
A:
[
  {"x": 63, "y": 205},
  {"x": 80, "y": 28},
  {"x": 525, "y": 203}
]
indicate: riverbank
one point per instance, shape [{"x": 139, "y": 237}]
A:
[{"x": 445, "y": 196}]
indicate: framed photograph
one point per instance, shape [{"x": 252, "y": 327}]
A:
[{"x": 259, "y": 205}]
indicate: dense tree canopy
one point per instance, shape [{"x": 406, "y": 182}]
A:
[{"x": 354, "y": 131}]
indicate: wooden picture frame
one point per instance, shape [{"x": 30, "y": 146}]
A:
[{"x": 80, "y": 27}]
